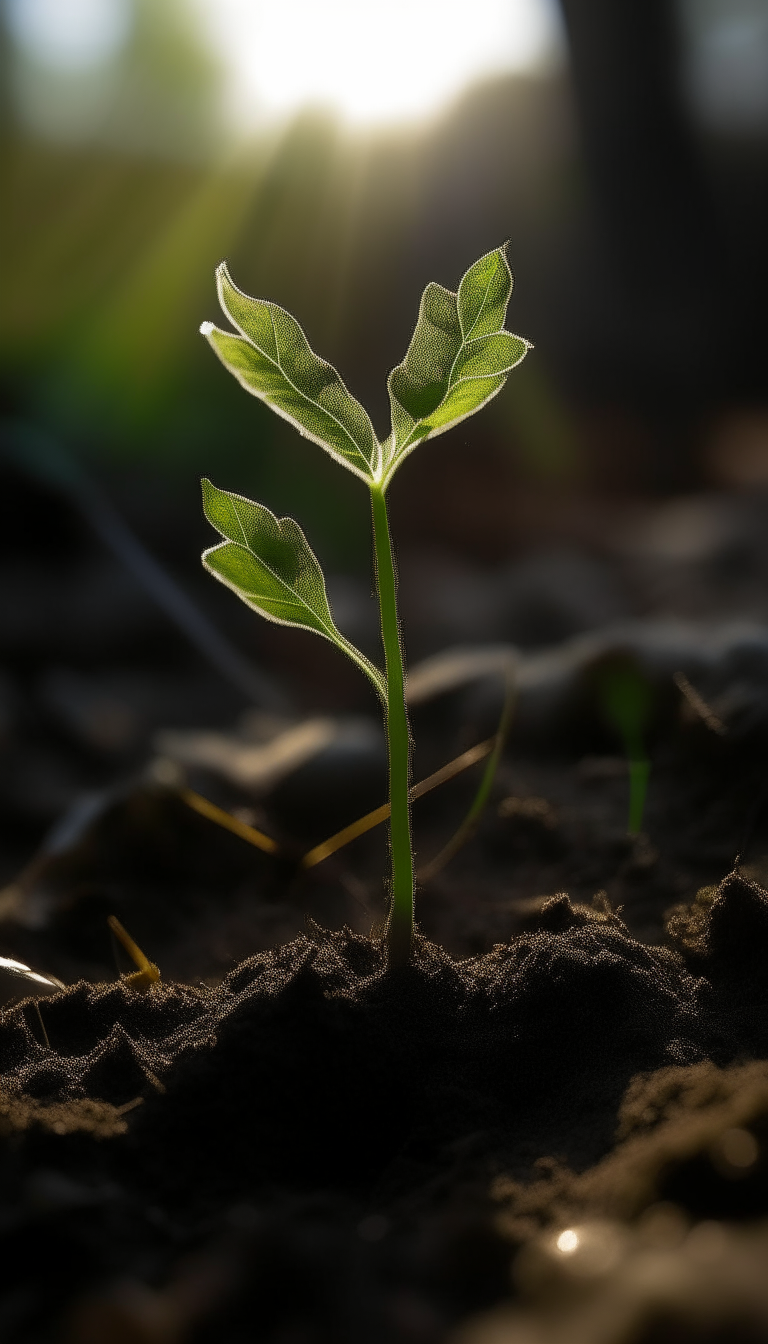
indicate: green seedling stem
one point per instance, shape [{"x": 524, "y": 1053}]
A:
[
  {"x": 205, "y": 808},
  {"x": 639, "y": 774},
  {"x": 627, "y": 704},
  {"x": 398, "y": 737},
  {"x": 356, "y": 828},
  {"x": 459, "y": 357}
]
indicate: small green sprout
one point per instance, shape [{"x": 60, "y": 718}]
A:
[
  {"x": 627, "y": 703},
  {"x": 458, "y": 359}
]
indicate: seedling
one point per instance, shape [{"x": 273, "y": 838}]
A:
[
  {"x": 627, "y": 703},
  {"x": 459, "y": 358}
]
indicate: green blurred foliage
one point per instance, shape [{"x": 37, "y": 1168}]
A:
[
  {"x": 112, "y": 241},
  {"x": 626, "y": 698}
]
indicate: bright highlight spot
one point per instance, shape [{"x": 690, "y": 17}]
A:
[
  {"x": 567, "y": 1241},
  {"x": 69, "y": 35},
  {"x": 374, "y": 61}
]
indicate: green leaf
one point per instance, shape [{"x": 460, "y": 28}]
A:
[
  {"x": 268, "y": 562},
  {"x": 459, "y": 357},
  {"x": 271, "y": 357}
]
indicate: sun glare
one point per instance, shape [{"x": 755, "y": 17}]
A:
[{"x": 373, "y": 61}]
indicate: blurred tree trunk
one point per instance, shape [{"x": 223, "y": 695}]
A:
[{"x": 655, "y": 219}]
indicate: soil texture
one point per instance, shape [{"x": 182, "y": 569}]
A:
[{"x": 318, "y": 1148}]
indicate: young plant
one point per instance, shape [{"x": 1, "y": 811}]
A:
[
  {"x": 458, "y": 359},
  {"x": 627, "y": 702}
]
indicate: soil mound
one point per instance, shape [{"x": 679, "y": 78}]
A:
[
  {"x": 292, "y": 1126},
  {"x": 315, "y": 1064}
]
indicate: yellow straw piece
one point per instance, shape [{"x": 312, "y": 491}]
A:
[
  {"x": 454, "y": 767},
  {"x": 470, "y": 823},
  {"x": 699, "y": 704},
  {"x": 367, "y": 823},
  {"x": 230, "y": 823},
  {"x": 148, "y": 972},
  {"x": 342, "y": 838}
]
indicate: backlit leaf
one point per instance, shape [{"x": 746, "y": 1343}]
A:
[
  {"x": 268, "y": 562},
  {"x": 459, "y": 357},
  {"x": 271, "y": 357}
]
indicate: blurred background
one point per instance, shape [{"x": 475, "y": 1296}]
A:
[{"x": 340, "y": 156}]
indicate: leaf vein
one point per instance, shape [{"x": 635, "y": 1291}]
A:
[
  {"x": 313, "y": 402},
  {"x": 240, "y": 525},
  {"x": 480, "y": 310}
]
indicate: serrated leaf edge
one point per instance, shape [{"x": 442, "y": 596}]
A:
[
  {"x": 222, "y": 270},
  {"x": 468, "y": 335},
  {"x": 332, "y": 634},
  {"x": 389, "y": 467},
  {"x": 407, "y": 446}
]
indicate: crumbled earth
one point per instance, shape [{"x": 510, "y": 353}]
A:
[{"x": 319, "y": 1148}]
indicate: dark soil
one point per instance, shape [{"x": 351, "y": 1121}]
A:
[{"x": 320, "y": 1149}]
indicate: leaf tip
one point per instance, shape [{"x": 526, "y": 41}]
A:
[
  {"x": 503, "y": 253},
  {"x": 206, "y": 328},
  {"x": 223, "y": 281},
  {"x": 206, "y": 490}
]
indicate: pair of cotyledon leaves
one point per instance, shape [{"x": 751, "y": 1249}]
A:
[{"x": 458, "y": 359}]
